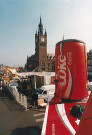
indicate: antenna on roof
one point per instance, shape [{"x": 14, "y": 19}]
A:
[{"x": 63, "y": 36}]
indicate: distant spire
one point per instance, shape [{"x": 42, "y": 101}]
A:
[
  {"x": 36, "y": 32},
  {"x": 45, "y": 32},
  {"x": 63, "y": 36},
  {"x": 40, "y": 20}
]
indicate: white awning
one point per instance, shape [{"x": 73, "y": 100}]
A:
[{"x": 26, "y": 74}]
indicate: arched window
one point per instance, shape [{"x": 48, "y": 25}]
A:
[{"x": 53, "y": 66}]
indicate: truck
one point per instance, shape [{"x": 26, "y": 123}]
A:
[{"x": 47, "y": 92}]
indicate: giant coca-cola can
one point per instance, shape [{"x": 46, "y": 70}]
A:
[{"x": 71, "y": 68}]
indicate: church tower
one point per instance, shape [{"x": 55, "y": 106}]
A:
[
  {"x": 41, "y": 48},
  {"x": 41, "y": 61}
]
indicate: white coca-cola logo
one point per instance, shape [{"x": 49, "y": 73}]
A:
[
  {"x": 62, "y": 74},
  {"x": 62, "y": 69}
]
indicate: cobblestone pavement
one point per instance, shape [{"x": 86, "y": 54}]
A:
[{"x": 14, "y": 120}]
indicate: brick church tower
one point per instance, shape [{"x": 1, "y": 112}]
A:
[
  {"x": 41, "y": 48},
  {"x": 41, "y": 61}
]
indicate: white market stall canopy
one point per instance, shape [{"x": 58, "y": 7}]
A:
[
  {"x": 26, "y": 74},
  {"x": 47, "y": 76}
]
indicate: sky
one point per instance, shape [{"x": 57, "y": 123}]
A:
[{"x": 19, "y": 20}]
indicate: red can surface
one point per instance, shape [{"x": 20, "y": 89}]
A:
[{"x": 71, "y": 68}]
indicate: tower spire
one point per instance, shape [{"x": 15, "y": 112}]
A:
[
  {"x": 40, "y": 20},
  {"x": 40, "y": 29},
  {"x": 45, "y": 32}
]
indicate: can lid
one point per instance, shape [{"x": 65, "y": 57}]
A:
[{"x": 70, "y": 40}]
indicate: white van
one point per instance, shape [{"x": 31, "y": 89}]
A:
[{"x": 47, "y": 92}]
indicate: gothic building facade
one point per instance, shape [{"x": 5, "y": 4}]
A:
[{"x": 41, "y": 61}]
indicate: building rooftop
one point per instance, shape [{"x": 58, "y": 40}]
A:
[{"x": 50, "y": 56}]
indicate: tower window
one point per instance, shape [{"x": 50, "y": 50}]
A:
[
  {"x": 43, "y": 64},
  {"x": 42, "y": 44},
  {"x": 53, "y": 66},
  {"x": 48, "y": 64}
]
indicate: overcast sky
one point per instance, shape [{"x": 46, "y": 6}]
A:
[{"x": 19, "y": 21}]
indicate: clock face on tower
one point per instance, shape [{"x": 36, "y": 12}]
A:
[{"x": 42, "y": 39}]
